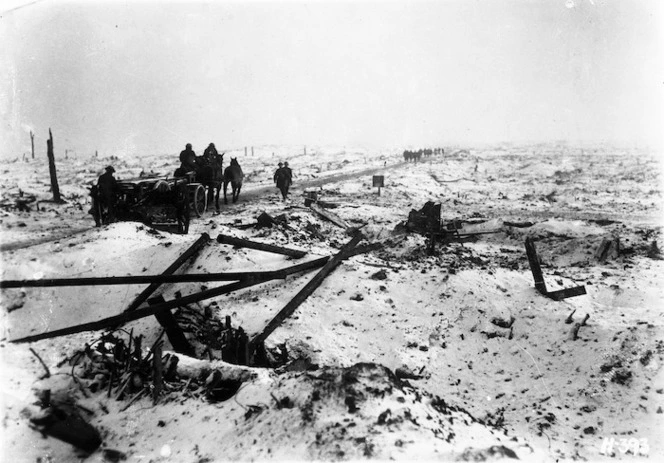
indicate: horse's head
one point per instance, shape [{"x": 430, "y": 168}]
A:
[{"x": 234, "y": 162}]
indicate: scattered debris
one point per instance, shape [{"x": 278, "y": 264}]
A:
[
  {"x": 405, "y": 372},
  {"x": 18, "y": 201},
  {"x": 569, "y": 319},
  {"x": 379, "y": 275},
  {"x": 335, "y": 219},
  {"x": 502, "y": 322},
  {"x": 493, "y": 452},
  {"x": 427, "y": 222},
  {"x": 265, "y": 220},
  {"x": 577, "y": 327}
]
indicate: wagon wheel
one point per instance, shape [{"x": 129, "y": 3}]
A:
[{"x": 198, "y": 199}]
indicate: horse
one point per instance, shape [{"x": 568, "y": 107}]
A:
[
  {"x": 211, "y": 175},
  {"x": 233, "y": 174}
]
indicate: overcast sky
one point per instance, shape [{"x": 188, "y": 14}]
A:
[{"x": 139, "y": 77}]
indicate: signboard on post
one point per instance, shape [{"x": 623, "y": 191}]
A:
[{"x": 378, "y": 181}]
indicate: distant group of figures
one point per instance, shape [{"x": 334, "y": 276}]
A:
[{"x": 417, "y": 155}]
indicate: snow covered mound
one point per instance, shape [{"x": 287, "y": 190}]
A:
[{"x": 363, "y": 411}]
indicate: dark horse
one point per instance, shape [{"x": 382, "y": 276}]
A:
[
  {"x": 233, "y": 174},
  {"x": 210, "y": 174}
]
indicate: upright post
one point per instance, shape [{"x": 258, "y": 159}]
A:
[
  {"x": 252, "y": 151},
  {"x": 51, "y": 167},
  {"x": 157, "y": 372},
  {"x": 305, "y": 150},
  {"x": 32, "y": 142},
  {"x": 245, "y": 150},
  {"x": 533, "y": 260}
]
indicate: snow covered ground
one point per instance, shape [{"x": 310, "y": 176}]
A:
[{"x": 481, "y": 391}]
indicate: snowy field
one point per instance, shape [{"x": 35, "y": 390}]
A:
[{"x": 395, "y": 355}]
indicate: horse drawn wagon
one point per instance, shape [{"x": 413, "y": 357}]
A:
[
  {"x": 167, "y": 203},
  {"x": 164, "y": 203}
]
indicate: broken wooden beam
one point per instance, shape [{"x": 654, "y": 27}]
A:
[
  {"x": 131, "y": 280},
  {"x": 173, "y": 331},
  {"x": 139, "y": 313},
  {"x": 334, "y": 218},
  {"x": 147, "y": 292},
  {"x": 305, "y": 292},
  {"x": 244, "y": 243},
  {"x": 154, "y": 280},
  {"x": 196, "y": 297},
  {"x": 540, "y": 285}
]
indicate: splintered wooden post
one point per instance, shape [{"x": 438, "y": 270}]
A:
[
  {"x": 242, "y": 346},
  {"x": 51, "y": 168},
  {"x": 175, "y": 334},
  {"x": 158, "y": 372},
  {"x": 533, "y": 260},
  {"x": 240, "y": 242},
  {"x": 305, "y": 292}
]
